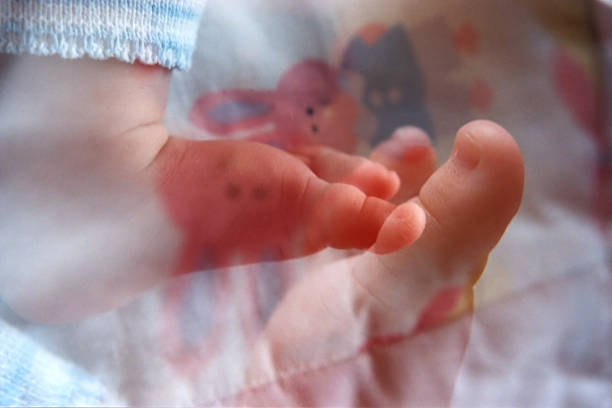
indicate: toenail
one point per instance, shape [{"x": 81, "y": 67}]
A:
[{"x": 467, "y": 151}]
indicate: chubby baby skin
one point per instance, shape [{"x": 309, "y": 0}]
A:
[
  {"x": 100, "y": 203},
  {"x": 259, "y": 203}
]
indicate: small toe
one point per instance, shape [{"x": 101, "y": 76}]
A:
[
  {"x": 333, "y": 166},
  {"x": 408, "y": 153}
]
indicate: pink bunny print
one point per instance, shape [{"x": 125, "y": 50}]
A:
[{"x": 308, "y": 107}]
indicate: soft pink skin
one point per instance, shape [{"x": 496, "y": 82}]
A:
[
  {"x": 243, "y": 202},
  {"x": 350, "y": 329},
  {"x": 308, "y": 84},
  {"x": 258, "y": 231},
  {"x": 191, "y": 208}
]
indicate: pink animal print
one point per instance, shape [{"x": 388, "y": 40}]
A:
[{"x": 308, "y": 107}]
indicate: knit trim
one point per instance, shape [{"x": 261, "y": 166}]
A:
[
  {"x": 128, "y": 50},
  {"x": 153, "y": 32}
]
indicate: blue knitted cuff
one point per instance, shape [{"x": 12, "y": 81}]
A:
[
  {"x": 152, "y": 31},
  {"x": 32, "y": 376}
]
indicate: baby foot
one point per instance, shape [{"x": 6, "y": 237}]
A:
[
  {"x": 259, "y": 203},
  {"x": 356, "y": 321},
  {"x": 240, "y": 202},
  {"x": 98, "y": 195},
  {"x": 205, "y": 204}
]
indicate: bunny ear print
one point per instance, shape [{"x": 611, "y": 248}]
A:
[{"x": 235, "y": 110}]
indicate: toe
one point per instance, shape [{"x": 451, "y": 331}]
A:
[
  {"x": 410, "y": 154},
  {"x": 401, "y": 228},
  {"x": 333, "y": 166},
  {"x": 474, "y": 195},
  {"x": 342, "y": 217}
]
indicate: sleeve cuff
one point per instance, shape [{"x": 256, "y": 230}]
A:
[{"x": 159, "y": 32}]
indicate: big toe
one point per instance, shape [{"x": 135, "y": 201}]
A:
[
  {"x": 471, "y": 199},
  {"x": 469, "y": 202}
]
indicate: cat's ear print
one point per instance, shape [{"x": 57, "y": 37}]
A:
[{"x": 229, "y": 111}]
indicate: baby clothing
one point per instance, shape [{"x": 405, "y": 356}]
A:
[
  {"x": 151, "y": 31},
  {"x": 31, "y": 375}
]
